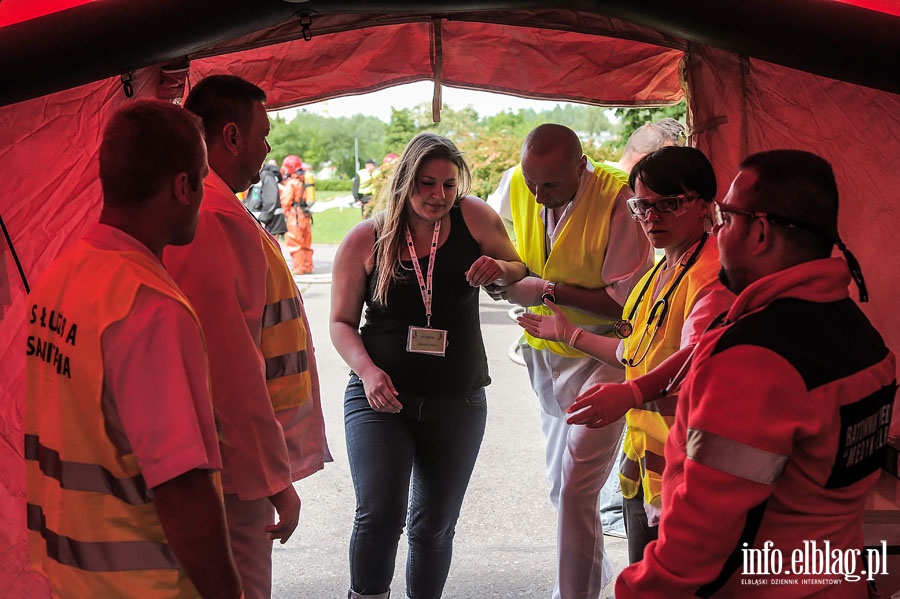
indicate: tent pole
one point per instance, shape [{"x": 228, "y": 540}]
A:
[
  {"x": 437, "y": 65},
  {"x": 15, "y": 256}
]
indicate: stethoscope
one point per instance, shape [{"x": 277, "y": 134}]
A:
[{"x": 658, "y": 312}]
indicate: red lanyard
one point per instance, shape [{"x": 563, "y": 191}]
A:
[{"x": 425, "y": 284}]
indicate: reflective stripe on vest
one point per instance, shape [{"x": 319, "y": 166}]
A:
[
  {"x": 580, "y": 249},
  {"x": 93, "y": 527},
  {"x": 283, "y": 339},
  {"x": 77, "y": 476},
  {"x": 647, "y": 427},
  {"x": 101, "y": 556}
]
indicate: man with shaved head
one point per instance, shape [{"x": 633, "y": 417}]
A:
[{"x": 583, "y": 251}]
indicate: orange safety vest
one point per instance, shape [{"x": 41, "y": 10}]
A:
[
  {"x": 93, "y": 529},
  {"x": 283, "y": 341}
]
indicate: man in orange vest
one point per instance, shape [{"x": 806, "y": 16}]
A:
[
  {"x": 265, "y": 385},
  {"x": 120, "y": 440}
]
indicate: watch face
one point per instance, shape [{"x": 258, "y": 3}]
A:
[
  {"x": 548, "y": 296},
  {"x": 623, "y": 329}
]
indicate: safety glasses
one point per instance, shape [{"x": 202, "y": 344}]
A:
[{"x": 640, "y": 207}]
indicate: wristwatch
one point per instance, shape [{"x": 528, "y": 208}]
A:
[{"x": 549, "y": 292}]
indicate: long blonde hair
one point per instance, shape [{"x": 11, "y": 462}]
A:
[{"x": 391, "y": 222}]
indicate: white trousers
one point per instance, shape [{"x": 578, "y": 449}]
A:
[
  {"x": 579, "y": 461},
  {"x": 250, "y": 544}
]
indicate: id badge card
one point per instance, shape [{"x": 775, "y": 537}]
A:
[{"x": 423, "y": 340}]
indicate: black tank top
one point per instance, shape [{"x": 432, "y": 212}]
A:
[{"x": 454, "y": 309}]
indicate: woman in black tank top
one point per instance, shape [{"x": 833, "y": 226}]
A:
[{"x": 414, "y": 409}]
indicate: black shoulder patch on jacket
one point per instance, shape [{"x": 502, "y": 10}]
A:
[{"x": 823, "y": 341}]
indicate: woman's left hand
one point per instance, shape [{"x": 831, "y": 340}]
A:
[
  {"x": 552, "y": 327},
  {"x": 483, "y": 271}
]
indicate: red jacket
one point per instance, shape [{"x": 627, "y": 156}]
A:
[{"x": 777, "y": 438}]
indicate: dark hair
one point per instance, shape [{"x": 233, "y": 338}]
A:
[
  {"x": 798, "y": 186},
  {"x": 222, "y": 99},
  {"x": 674, "y": 170},
  {"x": 143, "y": 145}
]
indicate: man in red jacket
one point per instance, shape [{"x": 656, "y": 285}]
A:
[{"x": 784, "y": 411}]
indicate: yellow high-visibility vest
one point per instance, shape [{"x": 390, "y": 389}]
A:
[
  {"x": 93, "y": 528},
  {"x": 580, "y": 249},
  {"x": 648, "y": 425}
]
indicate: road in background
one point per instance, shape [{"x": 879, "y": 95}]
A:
[{"x": 505, "y": 543}]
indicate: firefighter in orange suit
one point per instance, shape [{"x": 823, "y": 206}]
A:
[
  {"x": 297, "y": 197},
  {"x": 123, "y": 497}
]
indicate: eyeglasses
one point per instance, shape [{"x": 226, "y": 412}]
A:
[
  {"x": 722, "y": 210},
  {"x": 640, "y": 207}
]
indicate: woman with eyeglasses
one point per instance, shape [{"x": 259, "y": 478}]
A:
[{"x": 664, "y": 314}]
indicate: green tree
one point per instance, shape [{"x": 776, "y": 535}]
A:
[
  {"x": 491, "y": 144},
  {"x": 400, "y": 130},
  {"x": 317, "y": 139}
]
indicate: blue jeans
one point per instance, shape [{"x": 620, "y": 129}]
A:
[{"x": 434, "y": 440}]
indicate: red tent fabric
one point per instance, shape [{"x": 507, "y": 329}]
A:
[{"x": 746, "y": 92}]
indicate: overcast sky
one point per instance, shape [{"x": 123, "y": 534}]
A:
[{"x": 379, "y": 103}]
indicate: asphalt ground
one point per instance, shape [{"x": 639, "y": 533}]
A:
[{"x": 505, "y": 545}]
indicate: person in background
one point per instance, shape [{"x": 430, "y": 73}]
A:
[
  {"x": 271, "y": 212},
  {"x": 265, "y": 384},
  {"x": 785, "y": 407},
  {"x": 584, "y": 252},
  {"x": 668, "y": 309},
  {"x": 415, "y": 405},
  {"x": 647, "y": 139},
  {"x": 296, "y": 200},
  {"x": 123, "y": 496},
  {"x": 362, "y": 184}
]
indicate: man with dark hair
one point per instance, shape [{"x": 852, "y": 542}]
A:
[
  {"x": 120, "y": 440},
  {"x": 784, "y": 410},
  {"x": 264, "y": 380}
]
